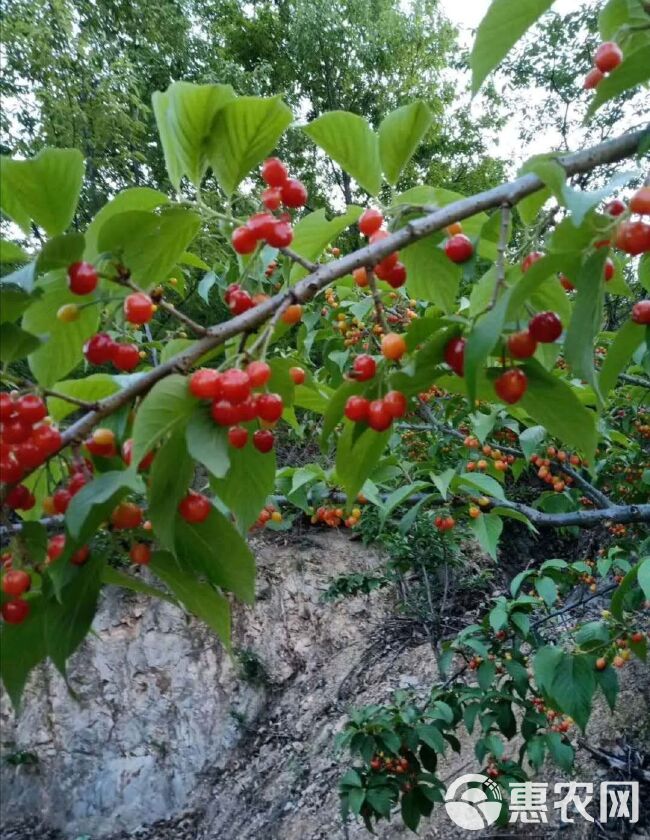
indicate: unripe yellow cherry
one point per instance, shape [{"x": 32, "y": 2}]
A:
[{"x": 68, "y": 312}]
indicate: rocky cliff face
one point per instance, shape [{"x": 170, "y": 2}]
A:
[{"x": 166, "y": 730}]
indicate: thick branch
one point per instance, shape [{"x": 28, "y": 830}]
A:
[{"x": 616, "y": 514}]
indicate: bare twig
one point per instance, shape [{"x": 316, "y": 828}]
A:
[
  {"x": 295, "y": 257},
  {"x": 380, "y": 317}
]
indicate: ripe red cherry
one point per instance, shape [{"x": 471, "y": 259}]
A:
[
  {"x": 240, "y": 301},
  {"x": 379, "y": 416},
  {"x": 98, "y": 350},
  {"x": 363, "y": 368},
  {"x": 127, "y": 450},
  {"x": 281, "y": 235},
  {"x": 397, "y": 276},
  {"x": 247, "y": 409},
  {"x": 641, "y": 312},
  {"x": 521, "y": 345},
  {"x": 258, "y": 373},
  {"x": 454, "y": 355},
  {"x": 261, "y": 225},
  {"x": 126, "y": 515},
  {"x": 55, "y": 546},
  {"x": 82, "y": 278},
  {"x": 511, "y": 385},
  {"x": 593, "y": 78},
  {"x": 138, "y": 308},
  {"x": 633, "y": 238},
  {"x": 224, "y": 413},
  {"x": 263, "y": 440},
  {"x": 7, "y": 407},
  {"x": 47, "y": 438},
  {"x": 269, "y": 407},
  {"x": 243, "y": 240},
  {"x": 15, "y": 612},
  {"x": 396, "y": 403},
  {"x": 384, "y": 269},
  {"x": 530, "y": 260},
  {"x": 10, "y": 470},
  {"x": 205, "y": 384},
  {"x": 15, "y": 582},
  {"x": 79, "y": 557},
  {"x": 272, "y": 198},
  {"x": 545, "y": 327},
  {"x": 274, "y": 172},
  {"x": 459, "y": 248},
  {"x": 566, "y": 283},
  {"x": 608, "y": 56},
  {"x": 371, "y": 220},
  {"x": 20, "y": 498},
  {"x": 125, "y": 356},
  {"x": 237, "y": 436},
  {"x": 640, "y": 201},
  {"x": 31, "y": 409},
  {"x": 294, "y": 193},
  {"x": 297, "y": 374},
  {"x": 75, "y": 484},
  {"x": 609, "y": 270},
  {"x": 140, "y": 554},
  {"x": 15, "y": 431},
  {"x": 356, "y": 409},
  {"x": 29, "y": 455},
  {"x": 615, "y": 207},
  {"x": 235, "y": 385},
  {"x": 61, "y": 499},
  {"x": 195, "y": 507}
]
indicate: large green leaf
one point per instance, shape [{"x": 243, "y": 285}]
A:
[
  {"x": 113, "y": 577},
  {"x": 250, "y": 480},
  {"x": 216, "y": 549},
  {"x": 243, "y": 133},
  {"x": 11, "y": 253},
  {"x": 14, "y": 301},
  {"x": 573, "y": 686},
  {"x": 199, "y": 598},
  {"x": 168, "y": 406},
  {"x": 431, "y": 275},
  {"x": 94, "y": 503},
  {"x": 357, "y": 456},
  {"x": 207, "y": 443},
  {"x": 171, "y": 474},
  {"x": 399, "y": 135},
  {"x": 487, "y": 529},
  {"x": 586, "y": 319},
  {"x": 135, "y": 198},
  {"x": 632, "y": 71},
  {"x": 90, "y": 389},
  {"x": 16, "y": 343},
  {"x": 44, "y": 189},
  {"x": 628, "y": 338},
  {"x": 314, "y": 232},
  {"x": 22, "y": 647},
  {"x": 60, "y": 252},
  {"x": 349, "y": 140},
  {"x": 63, "y": 349},
  {"x": 503, "y": 25}
]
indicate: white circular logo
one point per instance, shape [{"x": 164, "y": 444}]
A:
[{"x": 475, "y": 807}]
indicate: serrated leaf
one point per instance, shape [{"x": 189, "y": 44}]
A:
[
  {"x": 248, "y": 483},
  {"x": 483, "y": 483},
  {"x": 143, "y": 199},
  {"x": 171, "y": 475},
  {"x": 431, "y": 275},
  {"x": 314, "y": 232},
  {"x": 22, "y": 647},
  {"x": 573, "y": 686},
  {"x": 60, "y": 252},
  {"x": 113, "y": 577},
  {"x": 400, "y": 133},
  {"x": 547, "y": 589},
  {"x": 530, "y": 439},
  {"x": 167, "y": 407},
  {"x": 357, "y": 456},
  {"x": 90, "y": 389},
  {"x": 207, "y": 443},
  {"x": 487, "y": 529},
  {"x": 94, "y": 503},
  {"x": 586, "y": 319}
]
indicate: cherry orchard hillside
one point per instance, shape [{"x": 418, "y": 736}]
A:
[{"x": 453, "y": 366}]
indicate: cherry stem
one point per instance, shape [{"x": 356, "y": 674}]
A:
[
  {"x": 380, "y": 317},
  {"x": 501, "y": 254}
]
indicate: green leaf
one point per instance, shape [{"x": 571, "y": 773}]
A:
[
  {"x": 431, "y": 275},
  {"x": 11, "y": 253},
  {"x": 215, "y": 549},
  {"x": 172, "y": 471},
  {"x": 530, "y": 439},
  {"x": 561, "y": 752},
  {"x": 16, "y": 343},
  {"x": 94, "y": 503},
  {"x": 628, "y": 338},
  {"x": 113, "y": 577},
  {"x": 167, "y": 407},
  {"x": 357, "y": 456},
  {"x": 503, "y": 25},
  {"x": 592, "y": 635},
  {"x": 399, "y": 136},
  {"x": 529, "y": 207},
  {"x": 349, "y": 140},
  {"x": 547, "y": 589},
  {"x": 335, "y": 408},
  {"x": 398, "y": 497},
  {"x": 314, "y": 232},
  {"x": 14, "y": 301},
  {"x": 545, "y": 663},
  {"x": 487, "y": 529},
  {"x": 607, "y": 680},
  {"x": 22, "y": 647},
  {"x": 90, "y": 389},
  {"x": 498, "y": 617},
  {"x": 410, "y": 811},
  {"x": 44, "y": 189},
  {"x": 243, "y": 133},
  {"x": 135, "y": 198},
  {"x": 199, "y": 598},
  {"x": 644, "y": 576},
  {"x": 485, "y": 674},
  {"x": 573, "y": 687},
  {"x": 33, "y": 537},
  {"x": 617, "y": 605},
  {"x": 586, "y": 320},
  {"x": 63, "y": 349},
  {"x": 536, "y": 749},
  {"x": 644, "y": 272},
  {"x": 60, "y": 252},
  {"x": 249, "y": 482},
  {"x": 431, "y": 736},
  {"x": 443, "y": 480},
  {"x": 207, "y": 443},
  {"x": 483, "y": 483},
  {"x": 632, "y": 71}
]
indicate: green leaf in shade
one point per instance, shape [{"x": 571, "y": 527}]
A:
[
  {"x": 398, "y": 497},
  {"x": 644, "y": 272},
  {"x": 632, "y": 71},
  {"x": 608, "y": 683},
  {"x": 281, "y": 381},
  {"x": 207, "y": 443},
  {"x": 586, "y": 320},
  {"x": 63, "y": 350},
  {"x": 545, "y": 663},
  {"x": 485, "y": 674},
  {"x": 11, "y": 253},
  {"x": 624, "y": 588},
  {"x": 431, "y": 275},
  {"x": 16, "y": 343},
  {"x": 481, "y": 483},
  {"x": 357, "y": 456},
  {"x": 94, "y": 503},
  {"x": 628, "y": 338},
  {"x": 530, "y": 439},
  {"x": 547, "y": 589},
  {"x": 249, "y": 482},
  {"x": 560, "y": 751},
  {"x": 503, "y": 25},
  {"x": 23, "y": 279},
  {"x": 314, "y": 232},
  {"x": 643, "y": 576},
  {"x": 529, "y": 207},
  {"x": 198, "y": 598},
  {"x": 400, "y": 133},
  {"x": 143, "y": 199},
  {"x": 22, "y": 647},
  {"x": 243, "y": 133},
  {"x": 44, "y": 189},
  {"x": 349, "y": 140},
  {"x": 14, "y": 301},
  {"x": 573, "y": 686},
  {"x": 172, "y": 471},
  {"x": 214, "y": 548},
  {"x": 487, "y": 529},
  {"x": 168, "y": 406},
  {"x": 90, "y": 389},
  {"x": 60, "y": 252},
  {"x": 113, "y": 577},
  {"x": 33, "y": 537}
]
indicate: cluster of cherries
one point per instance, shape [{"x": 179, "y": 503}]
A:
[
  {"x": 101, "y": 349},
  {"x": 238, "y": 300},
  {"x": 444, "y": 523},
  {"x": 269, "y": 513},
  {"x": 458, "y": 248},
  {"x": 380, "y": 413},
  {"x": 276, "y": 231},
  {"x": 333, "y": 517},
  {"x": 390, "y": 269},
  {"x": 500, "y": 461},
  {"x": 26, "y": 442},
  {"x": 607, "y": 58}
]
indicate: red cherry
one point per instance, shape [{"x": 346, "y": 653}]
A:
[
  {"x": 530, "y": 260},
  {"x": 259, "y": 373},
  {"x": 511, "y": 385},
  {"x": 7, "y": 407},
  {"x": 610, "y": 270},
  {"x": 640, "y": 201},
  {"x": 364, "y": 368},
  {"x": 31, "y": 409},
  {"x": 263, "y": 440},
  {"x": 55, "y": 546},
  {"x": 99, "y": 449},
  {"x": 79, "y": 557},
  {"x": 641, "y": 312},
  {"x": 125, "y": 356},
  {"x": 545, "y": 327},
  {"x": 272, "y": 198},
  {"x": 15, "y": 612},
  {"x": 126, "y": 515},
  {"x": 98, "y": 350},
  {"x": 297, "y": 375},
  {"x": 140, "y": 554},
  {"x": 205, "y": 384},
  {"x": 29, "y": 454},
  {"x": 237, "y": 436},
  {"x": 281, "y": 235},
  {"x": 397, "y": 276},
  {"x": 633, "y": 238},
  {"x": 608, "y": 56},
  {"x": 247, "y": 409},
  {"x": 233, "y": 287},
  {"x": 15, "y": 431},
  {"x": 269, "y": 407},
  {"x": 521, "y": 345},
  {"x": 274, "y": 172},
  {"x": 567, "y": 285},
  {"x": 138, "y": 308},
  {"x": 379, "y": 416},
  {"x": 377, "y": 236},
  {"x": 370, "y": 222},
  {"x": 10, "y": 470},
  {"x": 615, "y": 207},
  {"x": 240, "y": 301},
  {"x": 82, "y": 278},
  {"x": 593, "y": 78},
  {"x": 294, "y": 193},
  {"x": 61, "y": 499},
  {"x": 235, "y": 385},
  {"x": 261, "y": 225},
  {"x": 224, "y": 413},
  {"x": 356, "y": 409},
  {"x": 454, "y": 355},
  {"x": 20, "y": 498},
  {"x": 15, "y": 582},
  {"x": 195, "y": 507},
  {"x": 243, "y": 240},
  {"x": 459, "y": 248},
  {"x": 47, "y": 438},
  {"x": 127, "y": 450},
  {"x": 396, "y": 403},
  {"x": 384, "y": 269},
  {"x": 75, "y": 484}
]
